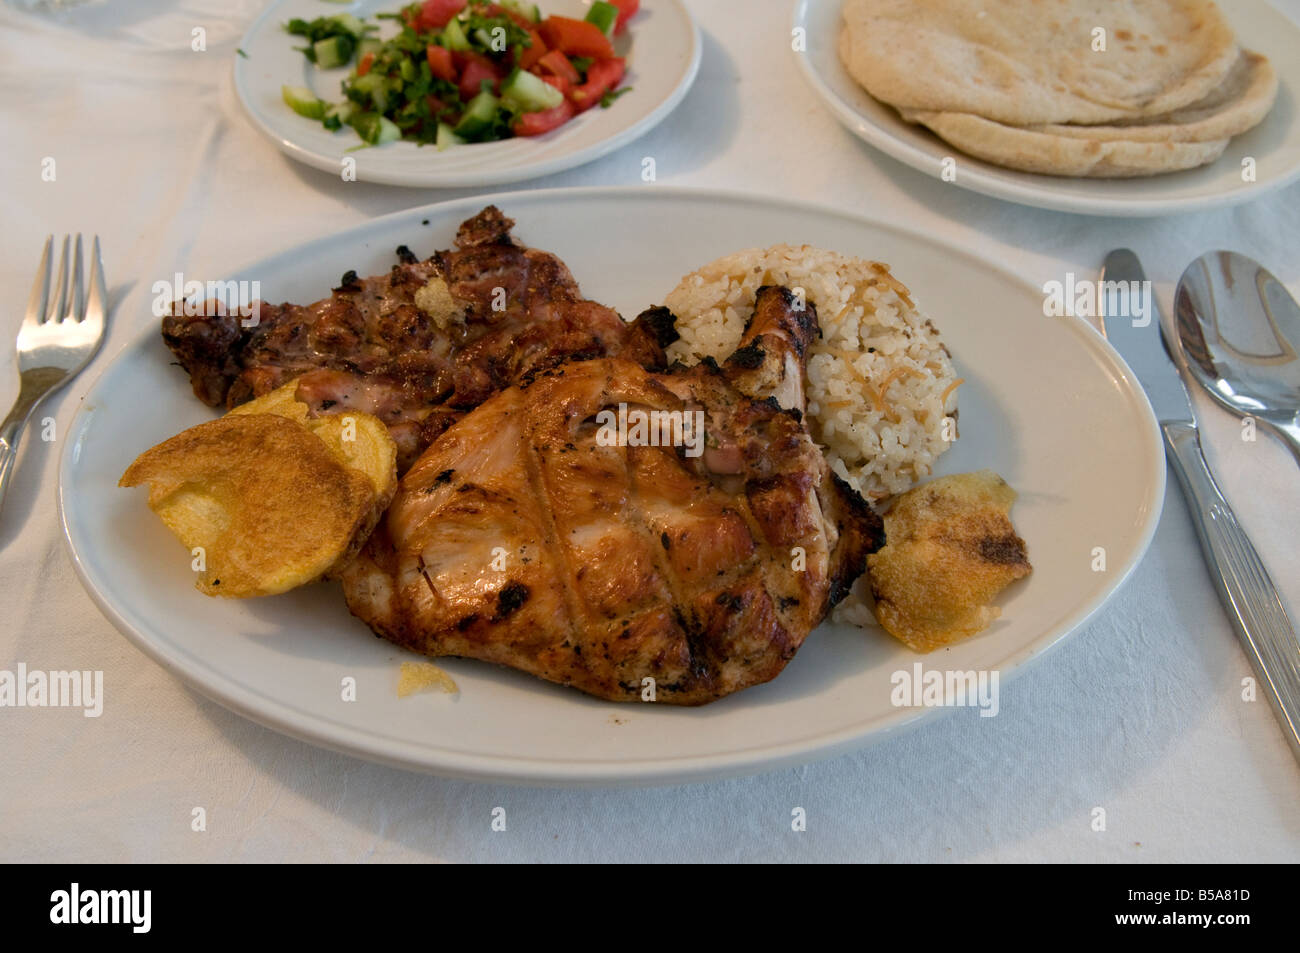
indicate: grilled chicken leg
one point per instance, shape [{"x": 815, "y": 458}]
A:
[{"x": 673, "y": 564}]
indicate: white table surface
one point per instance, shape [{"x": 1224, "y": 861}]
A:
[{"x": 1139, "y": 713}]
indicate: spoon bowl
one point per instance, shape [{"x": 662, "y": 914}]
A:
[{"x": 1240, "y": 331}]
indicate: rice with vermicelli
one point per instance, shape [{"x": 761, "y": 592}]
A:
[{"x": 880, "y": 382}]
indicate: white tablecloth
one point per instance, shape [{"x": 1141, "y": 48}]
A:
[{"x": 1139, "y": 713}]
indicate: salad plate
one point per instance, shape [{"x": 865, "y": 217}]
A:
[{"x": 661, "y": 45}]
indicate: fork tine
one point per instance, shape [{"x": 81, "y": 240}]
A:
[
  {"x": 97, "y": 293},
  {"x": 40, "y": 296},
  {"x": 60, "y": 286},
  {"x": 76, "y": 287}
]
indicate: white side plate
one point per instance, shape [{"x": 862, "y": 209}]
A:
[
  {"x": 1273, "y": 146},
  {"x": 662, "y": 46},
  {"x": 1046, "y": 403}
]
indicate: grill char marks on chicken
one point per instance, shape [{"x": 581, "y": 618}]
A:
[
  {"x": 525, "y": 537},
  {"x": 502, "y": 313}
]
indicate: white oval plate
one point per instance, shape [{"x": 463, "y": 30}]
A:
[
  {"x": 1274, "y": 144},
  {"x": 662, "y": 46},
  {"x": 1046, "y": 403}
]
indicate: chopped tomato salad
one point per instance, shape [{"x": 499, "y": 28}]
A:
[{"x": 465, "y": 70}]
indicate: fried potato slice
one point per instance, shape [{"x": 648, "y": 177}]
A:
[
  {"x": 361, "y": 442},
  {"x": 949, "y": 550},
  {"x": 283, "y": 402},
  {"x": 424, "y": 676},
  {"x": 268, "y": 501},
  {"x": 357, "y": 440}
]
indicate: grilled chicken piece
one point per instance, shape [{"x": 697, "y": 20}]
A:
[
  {"x": 419, "y": 346},
  {"x": 522, "y": 537}
]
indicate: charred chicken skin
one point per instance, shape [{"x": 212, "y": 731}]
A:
[
  {"x": 417, "y": 347},
  {"x": 527, "y": 537}
]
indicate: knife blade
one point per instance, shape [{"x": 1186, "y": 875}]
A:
[
  {"x": 1137, "y": 330},
  {"x": 1132, "y": 323}
]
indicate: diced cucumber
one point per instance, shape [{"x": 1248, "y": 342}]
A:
[
  {"x": 337, "y": 114},
  {"x": 369, "y": 45},
  {"x": 604, "y": 16},
  {"x": 375, "y": 129},
  {"x": 447, "y": 137},
  {"x": 479, "y": 116},
  {"x": 485, "y": 40},
  {"x": 388, "y": 131},
  {"x": 530, "y": 94},
  {"x": 350, "y": 23},
  {"x": 524, "y": 9},
  {"x": 374, "y": 85},
  {"x": 340, "y": 111},
  {"x": 454, "y": 38},
  {"x": 407, "y": 70},
  {"x": 369, "y": 83},
  {"x": 334, "y": 51},
  {"x": 302, "y": 101}
]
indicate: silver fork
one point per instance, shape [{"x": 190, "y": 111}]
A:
[{"x": 61, "y": 333}]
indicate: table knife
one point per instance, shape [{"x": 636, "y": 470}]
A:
[{"x": 1248, "y": 595}]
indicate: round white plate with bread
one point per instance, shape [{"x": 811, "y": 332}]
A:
[
  {"x": 1056, "y": 413},
  {"x": 1251, "y": 164}
]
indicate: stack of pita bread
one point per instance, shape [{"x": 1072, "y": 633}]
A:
[{"x": 1102, "y": 88}]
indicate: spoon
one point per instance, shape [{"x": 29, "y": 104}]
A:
[{"x": 1240, "y": 331}]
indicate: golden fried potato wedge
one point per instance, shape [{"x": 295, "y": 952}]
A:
[
  {"x": 358, "y": 440},
  {"x": 271, "y": 504},
  {"x": 949, "y": 550},
  {"x": 362, "y": 442},
  {"x": 283, "y": 401}
]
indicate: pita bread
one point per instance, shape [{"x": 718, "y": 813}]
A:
[
  {"x": 1239, "y": 104},
  {"x": 1049, "y": 154},
  {"x": 1025, "y": 62}
]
